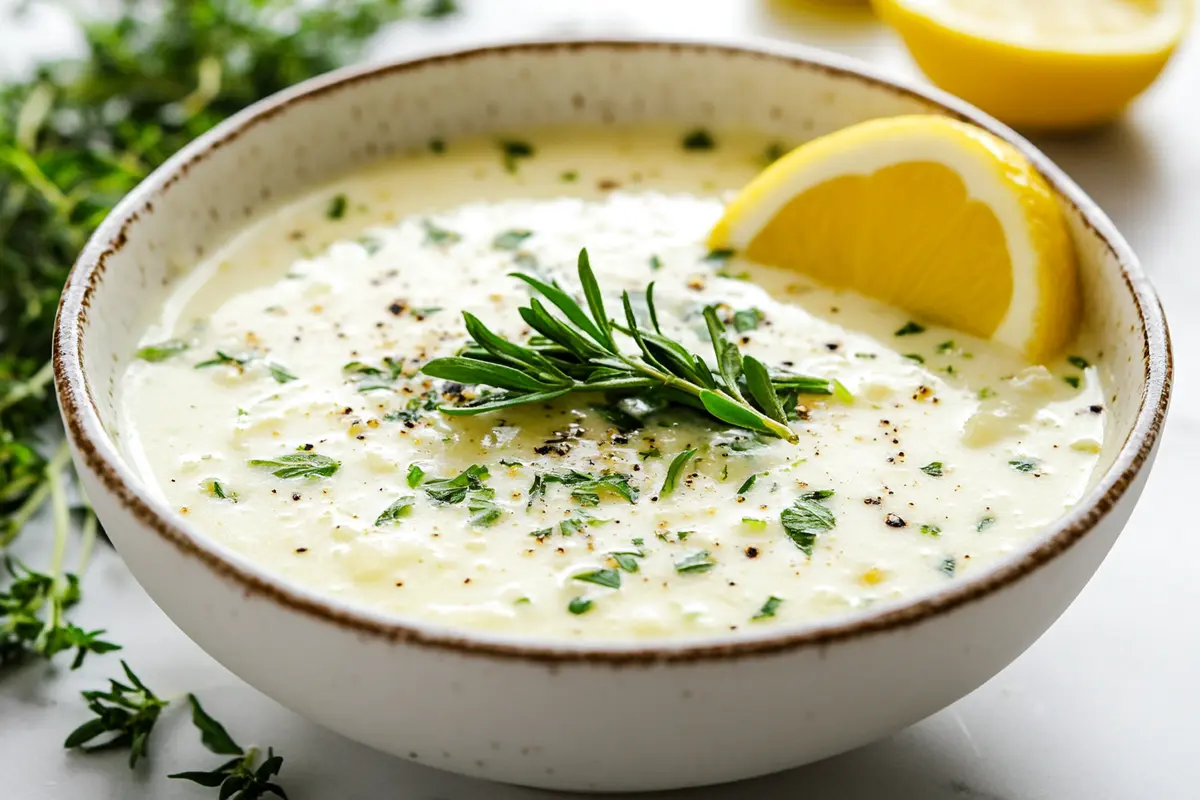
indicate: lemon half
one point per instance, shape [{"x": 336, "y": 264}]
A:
[
  {"x": 1041, "y": 63},
  {"x": 925, "y": 213}
]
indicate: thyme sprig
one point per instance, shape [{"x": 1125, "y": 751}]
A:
[{"x": 579, "y": 352}]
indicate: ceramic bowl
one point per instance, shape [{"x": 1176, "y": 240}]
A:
[{"x": 650, "y": 715}]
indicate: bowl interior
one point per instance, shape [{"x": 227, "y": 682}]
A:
[{"x": 212, "y": 190}]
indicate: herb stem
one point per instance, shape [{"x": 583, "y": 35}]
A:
[
  {"x": 37, "y": 497},
  {"x": 87, "y": 537},
  {"x": 36, "y": 382}
]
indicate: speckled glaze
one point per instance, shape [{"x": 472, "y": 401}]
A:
[{"x": 583, "y": 717}]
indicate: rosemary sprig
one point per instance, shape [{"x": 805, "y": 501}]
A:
[{"x": 580, "y": 354}]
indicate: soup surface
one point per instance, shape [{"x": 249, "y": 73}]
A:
[{"x": 277, "y": 403}]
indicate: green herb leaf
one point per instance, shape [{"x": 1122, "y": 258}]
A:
[
  {"x": 337, "y": 207},
  {"x": 399, "y": 509},
  {"x": 435, "y": 234},
  {"x": 626, "y": 561},
  {"x": 1078, "y": 361},
  {"x": 931, "y": 530},
  {"x": 579, "y": 605},
  {"x": 806, "y": 519},
  {"x": 948, "y": 566},
  {"x": 698, "y": 139},
  {"x": 212, "y": 734},
  {"x": 769, "y": 608},
  {"x": 415, "y": 476},
  {"x": 451, "y": 491},
  {"x": 984, "y": 524},
  {"x": 655, "y": 263},
  {"x": 217, "y": 490},
  {"x": 155, "y": 353},
  {"x": 748, "y": 485},
  {"x": 700, "y": 561},
  {"x": 746, "y": 319},
  {"x": 602, "y": 577},
  {"x": 917, "y": 357},
  {"x": 675, "y": 470},
  {"x": 280, "y": 373},
  {"x": 542, "y": 534},
  {"x": 933, "y": 469},
  {"x": 299, "y": 465},
  {"x": 125, "y": 715},
  {"x": 910, "y": 329},
  {"x": 1024, "y": 464},
  {"x": 515, "y": 150},
  {"x": 510, "y": 239},
  {"x": 1072, "y": 381},
  {"x": 481, "y": 509}
]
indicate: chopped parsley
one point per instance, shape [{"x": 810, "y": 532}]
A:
[
  {"x": 650, "y": 452},
  {"x": 414, "y": 408},
  {"x": 933, "y": 469},
  {"x": 570, "y": 176},
  {"x": 514, "y": 150},
  {"x": 542, "y": 534},
  {"x": 773, "y": 152},
  {"x": 948, "y": 566},
  {"x": 579, "y": 605},
  {"x": 986, "y": 393},
  {"x": 1078, "y": 361},
  {"x": 754, "y": 524},
  {"x": 435, "y": 234},
  {"x": 699, "y": 139},
  {"x": 337, "y": 207},
  {"x": 162, "y": 351},
  {"x": 215, "y": 489},
  {"x": 769, "y": 608},
  {"x": 414, "y": 476},
  {"x": 450, "y": 491},
  {"x": 510, "y": 239},
  {"x": 570, "y": 526},
  {"x": 946, "y": 346},
  {"x": 1072, "y": 381},
  {"x": 655, "y": 263},
  {"x": 480, "y": 506},
  {"x": 748, "y": 485},
  {"x": 585, "y": 489},
  {"x": 984, "y": 524},
  {"x": 910, "y": 329},
  {"x": 746, "y": 319},
  {"x": 917, "y": 357},
  {"x": 626, "y": 560},
  {"x": 223, "y": 359},
  {"x": 437, "y": 146},
  {"x": 675, "y": 470},
  {"x": 1023, "y": 464},
  {"x": 371, "y": 378},
  {"x": 807, "y": 518},
  {"x": 306, "y": 464},
  {"x": 280, "y": 373},
  {"x": 395, "y": 512},
  {"x": 602, "y": 577},
  {"x": 700, "y": 561},
  {"x": 718, "y": 256},
  {"x": 931, "y": 530}
]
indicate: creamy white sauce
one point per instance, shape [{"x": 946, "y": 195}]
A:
[{"x": 302, "y": 295}]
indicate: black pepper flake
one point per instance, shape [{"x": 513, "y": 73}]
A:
[
  {"x": 306, "y": 446},
  {"x": 832, "y": 345},
  {"x": 301, "y": 549},
  {"x": 295, "y": 495},
  {"x": 894, "y": 521},
  {"x": 751, "y": 552},
  {"x": 873, "y": 501},
  {"x": 1096, "y": 409}
]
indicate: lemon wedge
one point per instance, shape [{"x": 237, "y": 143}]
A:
[
  {"x": 1041, "y": 63},
  {"x": 925, "y": 213}
]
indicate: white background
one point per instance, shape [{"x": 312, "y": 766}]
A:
[{"x": 1105, "y": 706}]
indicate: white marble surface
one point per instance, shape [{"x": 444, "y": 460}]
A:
[{"x": 1104, "y": 707}]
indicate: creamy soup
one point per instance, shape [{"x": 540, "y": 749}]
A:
[{"x": 278, "y": 405}]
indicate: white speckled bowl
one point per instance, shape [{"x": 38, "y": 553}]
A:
[{"x": 603, "y": 717}]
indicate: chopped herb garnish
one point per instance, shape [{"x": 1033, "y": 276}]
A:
[
  {"x": 1072, "y": 381},
  {"x": 337, "y": 207},
  {"x": 542, "y": 534},
  {"x": 931, "y": 530},
  {"x": 570, "y": 176},
  {"x": 413, "y": 408},
  {"x": 215, "y": 489},
  {"x": 510, "y": 239},
  {"x": 746, "y": 319},
  {"x": 242, "y": 778},
  {"x": 769, "y": 608},
  {"x": 868, "y": 356},
  {"x": 699, "y": 139},
  {"x": 984, "y": 524},
  {"x": 450, "y": 491},
  {"x": 514, "y": 151},
  {"x": 773, "y": 152},
  {"x": 843, "y": 394},
  {"x": 946, "y": 346},
  {"x": 986, "y": 393},
  {"x": 917, "y": 357},
  {"x": 748, "y": 485},
  {"x": 1024, "y": 464},
  {"x": 579, "y": 605},
  {"x": 934, "y": 469},
  {"x": 650, "y": 452},
  {"x": 571, "y": 525},
  {"x": 675, "y": 470},
  {"x": 481, "y": 508},
  {"x": 602, "y": 577},
  {"x": 223, "y": 359},
  {"x": 639, "y": 542},
  {"x": 948, "y": 566},
  {"x": 718, "y": 256},
  {"x": 299, "y": 465},
  {"x": 280, "y": 373},
  {"x": 626, "y": 561},
  {"x": 755, "y": 524},
  {"x": 699, "y": 561},
  {"x": 807, "y": 518},
  {"x": 414, "y": 476},
  {"x": 585, "y": 489},
  {"x": 421, "y": 312},
  {"x": 910, "y": 329},
  {"x": 435, "y": 234},
  {"x": 1078, "y": 361},
  {"x": 588, "y": 359},
  {"x": 655, "y": 263},
  {"x": 162, "y": 351},
  {"x": 395, "y": 512},
  {"x": 437, "y": 146}
]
